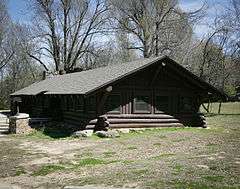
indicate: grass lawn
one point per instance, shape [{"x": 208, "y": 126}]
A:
[
  {"x": 192, "y": 158},
  {"x": 227, "y": 108}
]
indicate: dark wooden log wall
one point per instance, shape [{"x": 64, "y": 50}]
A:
[
  {"x": 165, "y": 83},
  {"x": 154, "y": 80}
]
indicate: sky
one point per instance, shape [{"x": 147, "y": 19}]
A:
[{"x": 20, "y": 12}]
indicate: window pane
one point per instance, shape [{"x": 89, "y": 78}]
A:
[
  {"x": 186, "y": 104},
  {"x": 113, "y": 103},
  {"x": 161, "y": 103},
  {"x": 142, "y": 103}
]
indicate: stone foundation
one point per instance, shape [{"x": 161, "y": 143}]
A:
[{"x": 19, "y": 124}]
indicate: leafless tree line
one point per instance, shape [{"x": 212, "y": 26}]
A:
[{"x": 16, "y": 68}]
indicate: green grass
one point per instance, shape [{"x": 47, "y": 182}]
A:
[
  {"x": 90, "y": 162},
  {"x": 140, "y": 172},
  {"x": 19, "y": 171},
  {"x": 228, "y": 108},
  {"x": 108, "y": 154},
  {"x": 157, "y": 144},
  {"x": 165, "y": 155},
  {"x": 38, "y": 135},
  {"x": 132, "y": 148},
  {"x": 180, "y": 140},
  {"x": 43, "y": 135},
  {"x": 93, "y": 162},
  {"x": 84, "y": 154},
  {"x": 214, "y": 178},
  {"x": 178, "y": 168},
  {"x": 158, "y": 132},
  {"x": 148, "y": 172},
  {"x": 127, "y": 162},
  {"x": 47, "y": 169},
  {"x": 185, "y": 184},
  {"x": 211, "y": 144}
]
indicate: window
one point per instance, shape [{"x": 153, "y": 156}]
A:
[
  {"x": 141, "y": 104},
  {"x": 79, "y": 103},
  {"x": 161, "y": 104},
  {"x": 113, "y": 103},
  {"x": 185, "y": 104}
]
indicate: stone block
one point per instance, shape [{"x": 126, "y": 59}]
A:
[
  {"x": 19, "y": 124},
  {"x": 83, "y": 133},
  {"x": 107, "y": 134}
]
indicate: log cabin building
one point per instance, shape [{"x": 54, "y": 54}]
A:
[{"x": 152, "y": 92}]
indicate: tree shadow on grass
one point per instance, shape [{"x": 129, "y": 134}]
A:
[
  {"x": 56, "y": 133},
  {"x": 214, "y": 114},
  {"x": 51, "y": 132}
]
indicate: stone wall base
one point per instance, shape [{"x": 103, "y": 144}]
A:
[{"x": 19, "y": 124}]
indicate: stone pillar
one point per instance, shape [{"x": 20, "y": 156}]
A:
[
  {"x": 203, "y": 122},
  {"x": 19, "y": 124},
  {"x": 102, "y": 124}
]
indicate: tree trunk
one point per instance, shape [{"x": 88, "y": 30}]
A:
[{"x": 219, "y": 107}]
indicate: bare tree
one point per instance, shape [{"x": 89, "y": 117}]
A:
[
  {"x": 154, "y": 26},
  {"x": 20, "y": 70},
  {"x": 66, "y": 30},
  {"x": 5, "y": 51}
]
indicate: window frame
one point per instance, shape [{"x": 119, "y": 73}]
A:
[
  {"x": 135, "y": 111},
  {"x": 120, "y": 104},
  {"x": 181, "y": 105},
  {"x": 155, "y": 103}
]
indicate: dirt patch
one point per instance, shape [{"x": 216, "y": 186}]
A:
[
  {"x": 166, "y": 158},
  {"x": 57, "y": 147}
]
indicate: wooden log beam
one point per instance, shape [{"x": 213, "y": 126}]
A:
[
  {"x": 103, "y": 100},
  {"x": 149, "y": 125},
  {"x": 140, "y": 116},
  {"x": 139, "y": 121},
  {"x": 155, "y": 75}
]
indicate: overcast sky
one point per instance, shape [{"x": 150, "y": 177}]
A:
[{"x": 20, "y": 12}]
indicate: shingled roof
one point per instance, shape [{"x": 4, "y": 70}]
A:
[{"x": 88, "y": 81}]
